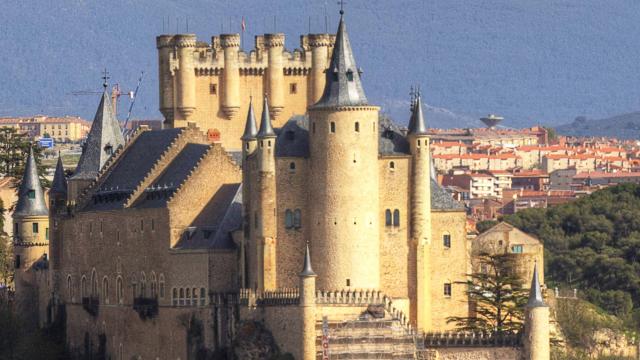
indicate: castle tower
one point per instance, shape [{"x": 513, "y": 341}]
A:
[
  {"x": 249, "y": 144},
  {"x": 166, "y": 77},
  {"x": 343, "y": 155},
  {"x": 536, "y": 323},
  {"x": 103, "y": 140},
  {"x": 308, "y": 308},
  {"x": 57, "y": 208},
  {"x": 266, "y": 209},
  {"x": 421, "y": 213},
  {"x": 319, "y": 44},
  {"x": 30, "y": 239},
  {"x": 230, "y": 44},
  {"x": 275, "y": 81},
  {"x": 185, "y": 79}
]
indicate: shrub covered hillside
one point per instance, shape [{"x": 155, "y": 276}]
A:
[{"x": 593, "y": 244}]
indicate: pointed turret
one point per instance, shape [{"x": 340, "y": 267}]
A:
[
  {"x": 307, "y": 270},
  {"x": 535, "y": 293},
  {"x": 30, "y": 196},
  {"x": 104, "y": 138},
  {"x": 417, "y": 124},
  {"x": 342, "y": 86},
  {"x": 266, "y": 130},
  {"x": 250, "y": 128},
  {"x": 59, "y": 183}
]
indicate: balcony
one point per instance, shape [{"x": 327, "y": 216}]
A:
[
  {"x": 146, "y": 308},
  {"x": 91, "y": 305}
]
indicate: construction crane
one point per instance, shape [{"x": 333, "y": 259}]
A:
[{"x": 134, "y": 96}]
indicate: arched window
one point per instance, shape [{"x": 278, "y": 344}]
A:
[
  {"x": 143, "y": 285},
  {"x": 119, "y": 292},
  {"x": 94, "y": 283},
  {"x": 446, "y": 240},
  {"x": 288, "y": 219},
  {"x": 396, "y": 217},
  {"x": 181, "y": 297},
  {"x": 69, "y": 288},
  {"x": 105, "y": 290},
  {"x": 161, "y": 283},
  {"x": 203, "y": 297},
  {"x": 83, "y": 287},
  {"x": 333, "y": 127},
  {"x": 388, "y": 221},
  {"x": 154, "y": 285},
  {"x": 297, "y": 219},
  {"x": 392, "y": 165},
  {"x": 357, "y": 127},
  {"x": 134, "y": 286},
  {"x": 187, "y": 295},
  {"x": 292, "y": 166},
  {"x": 194, "y": 297}
]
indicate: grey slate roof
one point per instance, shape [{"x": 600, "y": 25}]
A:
[
  {"x": 343, "y": 86},
  {"x": 104, "y": 138},
  {"x": 266, "y": 130},
  {"x": 30, "y": 195},
  {"x": 307, "y": 270},
  {"x": 132, "y": 167},
  {"x": 535, "y": 293},
  {"x": 417, "y": 124},
  {"x": 391, "y": 140},
  {"x": 158, "y": 193},
  {"x": 293, "y": 138},
  {"x": 217, "y": 234},
  {"x": 59, "y": 183},
  {"x": 442, "y": 200},
  {"x": 250, "y": 129}
]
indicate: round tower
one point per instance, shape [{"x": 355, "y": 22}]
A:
[
  {"x": 165, "y": 77},
  {"x": 275, "y": 78},
  {"x": 186, "y": 78},
  {"x": 536, "y": 323},
  {"x": 308, "y": 308},
  {"x": 420, "y": 213},
  {"x": 266, "y": 215},
  {"x": 344, "y": 178},
  {"x": 230, "y": 44},
  {"x": 30, "y": 239},
  {"x": 319, "y": 44}
]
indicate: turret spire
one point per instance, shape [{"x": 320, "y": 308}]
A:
[
  {"x": 266, "y": 130},
  {"x": 105, "y": 137},
  {"x": 59, "y": 183},
  {"x": 30, "y": 195},
  {"x": 417, "y": 124},
  {"x": 250, "y": 128},
  {"x": 343, "y": 86},
  {"x": 535, "y": 293},
  {"x": 307, "y": 270}
]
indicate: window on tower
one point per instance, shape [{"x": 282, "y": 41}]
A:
[
  {"x": 333, "y": 127},
  {"x": 288, "y": 219},
  {"x": 34, "y": 228},
  {"x": 396, "y": 217},
  {"x": 447, "y": 289},
  {"x": 293, "y": 88},
  {"x": 297, "y": 219},
  {"x": 446, "y": 240},
  {"x": 388, "y": 220},
  {"x": 357, "y": 126},
  {"x": 31, "y": 194}
]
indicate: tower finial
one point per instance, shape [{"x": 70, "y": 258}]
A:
[
  {"x": 105, "y": 78},
  {"x": 416, "y": 123},
  {"x": 535, "y": 293},
  {"x": 307, "y": 270},
  {"x": 341, "y": 3}
]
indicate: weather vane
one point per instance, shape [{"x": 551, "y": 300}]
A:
[
  {"x": 341, "y": 3},
  {"x": 105, "y": 77}
]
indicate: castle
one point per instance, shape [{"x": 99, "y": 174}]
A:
[{"x": 165, "y": 245}]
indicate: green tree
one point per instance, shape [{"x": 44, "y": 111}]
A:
[
  {"x": 498, "y": 296},
  {"x": 14, "y": 149},
  {"x": 485, "y": 225}
]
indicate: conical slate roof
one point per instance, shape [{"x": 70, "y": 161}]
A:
[
  {"x": 417, "y": 124},
  {"x": 343, "y": 86},
  {"x": 250, "y": 128},
  {"x": 266, "y": 130},
  {"x": 535, "y": 293},
  {"x": 307, "y": 270},
  {"x": 104, "y": 138},
  {"x": 30, "y": 195},
  {"x": 59, "y": 183}
]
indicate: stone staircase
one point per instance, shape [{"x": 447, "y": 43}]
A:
[{"x": 367, "y": 338}]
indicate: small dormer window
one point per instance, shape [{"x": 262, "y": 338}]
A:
[
  {"x": 335, "y": 74},
  {"x": 108, "y": 149},
  {"x": 31, "y": 194},
  {"x": 349, "y": 75}
]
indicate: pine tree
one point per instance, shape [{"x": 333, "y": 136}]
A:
[{"x": 496, "y": 294}]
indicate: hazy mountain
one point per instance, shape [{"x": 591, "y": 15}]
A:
[
  {"x": 626, "y": 126},
  {"x": 529, "y": 61}
]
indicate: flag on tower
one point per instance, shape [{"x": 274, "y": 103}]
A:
[{"x": 244, "y": 25}]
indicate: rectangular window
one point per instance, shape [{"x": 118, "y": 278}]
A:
[
  {"x": 293, "y": 88},
  {"x": 34, "y": 228},
  {"x": 31, "y": 194},
  {"x": 46, "y": 233},
  {"x": 213, "y": 89},
  {"x": 516, "y": 249},
  {"x": 446, "y": 240},
  {"x": 17, "y": 262},
  {"x": 333, "y": 127},
  {"x": 447, "y": 289}
]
